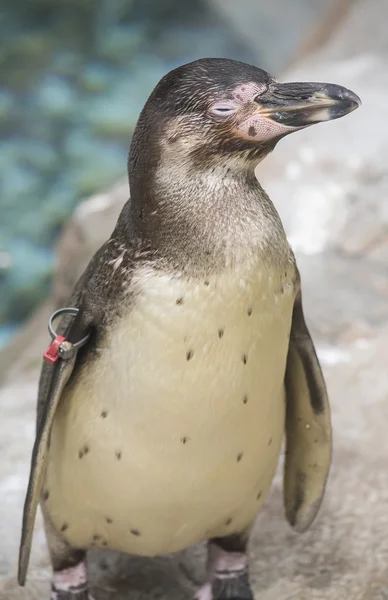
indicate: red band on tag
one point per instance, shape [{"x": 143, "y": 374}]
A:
[{"x": 51, "y": 355}]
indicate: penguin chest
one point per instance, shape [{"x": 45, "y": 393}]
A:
[{"x": 172, "y": 433}]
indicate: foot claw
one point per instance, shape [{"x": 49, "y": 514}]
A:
[
  {"x": 70, "y": 595},
  {"x": 232, "y": 588}
]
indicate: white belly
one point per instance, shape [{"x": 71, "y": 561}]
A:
[{"x": 173, "y": 433}]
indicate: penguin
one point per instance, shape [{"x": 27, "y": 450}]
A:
[{"x": 184, "y": 359}]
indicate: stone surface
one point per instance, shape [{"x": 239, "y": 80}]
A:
[
  {"x": 334, "y": 176},
  {"x": 334, "y": 181},
  {"x": 277, "y": 33}
]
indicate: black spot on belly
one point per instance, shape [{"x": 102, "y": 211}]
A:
[
  {"x": 206, "y": 282},
  {"x": 45, "y": 495},
  {"x": 245, "y": 399},
  {"x": 118, "y": 455},
  {"x": 104, "y": 543},
  {"x": 251, "y": 131},
  {"x": 108, "y": 520},
  {"x": 84, "y": 450},
  {"x": 189, "y": 354},
  {"x": 184, "y": 439},
  {"x": 245, "y": 358},
  {"x": 239, "y": 456},
  {"x": 228, "y": 521},
  {"x": 249, "y": 312},
  {"x": 259, "y": 495},
  {"x": 64, "y": 527},
  {"x": 179, "y": 301},
  {"x": 104, "y": 414},
  {"x": 269, "y": 441},
  {"x": 135, "y": 532},
  {"x": 220, "y": 333},
  {"x": 96, "y": 537}
]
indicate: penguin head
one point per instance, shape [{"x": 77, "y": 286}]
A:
[{"x": 219, "y": 109}]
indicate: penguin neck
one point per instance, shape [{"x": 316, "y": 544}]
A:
[{"x": 201, "y": 219}]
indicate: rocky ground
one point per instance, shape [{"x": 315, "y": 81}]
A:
[{"x": 330, "y": 185}]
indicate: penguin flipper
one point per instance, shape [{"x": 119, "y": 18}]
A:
[
  {"x": 61, "y": 372},
  {"x": 53, "y": 379},
  {"x": 308, "y": 427}
]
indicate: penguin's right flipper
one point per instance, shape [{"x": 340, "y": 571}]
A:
[{"x": 308, "y": 427}]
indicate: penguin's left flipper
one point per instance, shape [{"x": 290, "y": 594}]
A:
[
  {"x": 52, "y": 382},
  {"x": 55, "y": 378},
  {"x": 308, "y": 427}
]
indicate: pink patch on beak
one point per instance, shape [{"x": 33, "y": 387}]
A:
[{"x": 262, "y": 129}]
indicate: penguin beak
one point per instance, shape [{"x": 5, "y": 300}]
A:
[{"x": 299, "y": 105}]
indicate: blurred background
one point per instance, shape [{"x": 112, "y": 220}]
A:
[{"x": 74, "y": 75}]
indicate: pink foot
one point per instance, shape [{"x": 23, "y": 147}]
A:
[
  {"x": 204, "y": 592},
  {"x": 70, "y": 584}
]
